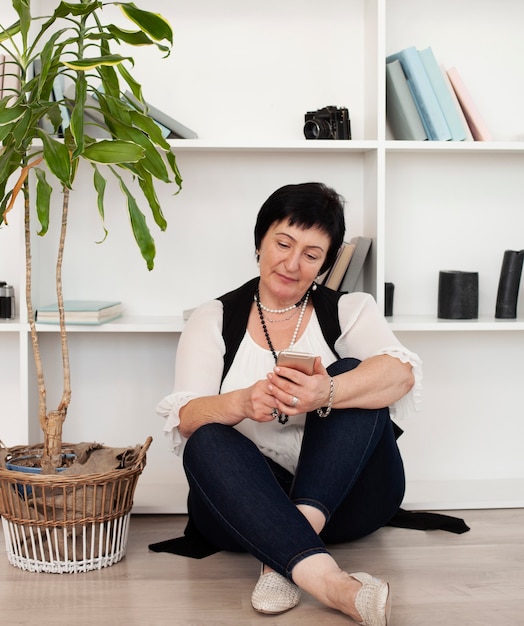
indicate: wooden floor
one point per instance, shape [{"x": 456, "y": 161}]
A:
[{"x": 437, "y": 578}]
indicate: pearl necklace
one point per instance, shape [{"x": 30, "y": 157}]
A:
[{"x": 277, "y": 311}]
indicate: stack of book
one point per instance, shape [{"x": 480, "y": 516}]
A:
[
  {"x": 346, "y": 270},
  {"x": 80, "y": 312},
  {"x": 424, "y": 101}
]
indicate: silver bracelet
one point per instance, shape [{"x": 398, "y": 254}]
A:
[{"x": 325, "y": 413}]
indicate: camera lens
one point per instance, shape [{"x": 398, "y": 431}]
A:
[{"x": 317, "y": 129}]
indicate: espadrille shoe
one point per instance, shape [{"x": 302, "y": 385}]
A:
[
  {"x": 373, "y": 600},
  {"x": 274, "y": 594}
]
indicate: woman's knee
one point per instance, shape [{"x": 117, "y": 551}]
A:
[
  {"x": 343, "y": 365},
  {"x": 203, "y": 442}
]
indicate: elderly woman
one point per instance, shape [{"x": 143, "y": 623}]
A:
[{"x": 281, "y": 463}]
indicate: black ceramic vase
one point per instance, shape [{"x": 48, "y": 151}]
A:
[
  {"x": 458, "y": 295},
  {"x": 509, "y": 282}
]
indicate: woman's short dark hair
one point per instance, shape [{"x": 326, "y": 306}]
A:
[{"x": 306, "y": 205}]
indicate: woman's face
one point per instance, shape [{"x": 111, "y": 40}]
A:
[{"x": 290, "y": 259}]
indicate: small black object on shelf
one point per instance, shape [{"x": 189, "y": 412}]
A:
[
  {"x": 509, "y": 283},
  {"x": 389, "y": 292},
  {"x": 458, "y": 295}
]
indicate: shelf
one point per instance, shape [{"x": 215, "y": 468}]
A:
[
  {"x": 11, "y": 326},
  {"x": 125, "y": 324},
  {"x": 430, "y": 323},
  {"x": 324, "y": 145},
  {"x": 462, "y": 147}
]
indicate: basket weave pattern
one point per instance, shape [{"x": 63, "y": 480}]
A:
[{"x": 57, "y": 524}]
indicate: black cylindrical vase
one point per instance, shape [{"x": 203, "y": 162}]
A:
[
  {"x": 509, "y": 283},
  {"x": 458, "y": 295}
]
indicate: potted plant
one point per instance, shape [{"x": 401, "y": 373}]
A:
[{"x": 73, "y": 45}]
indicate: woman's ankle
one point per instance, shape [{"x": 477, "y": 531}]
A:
[{"x": 320, "y": 576}]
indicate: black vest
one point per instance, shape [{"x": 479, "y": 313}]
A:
[{"x": 237, "y": 305}]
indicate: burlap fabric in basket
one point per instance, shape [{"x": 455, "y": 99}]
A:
[{"x": 80, "y": 501}]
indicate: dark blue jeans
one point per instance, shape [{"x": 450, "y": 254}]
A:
[{"x": 349, "y": 467}]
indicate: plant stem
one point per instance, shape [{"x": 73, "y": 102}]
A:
[{"x": 42, "y": 404}]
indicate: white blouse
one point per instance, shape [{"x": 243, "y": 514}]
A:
[{"x": 200, "y": 362}]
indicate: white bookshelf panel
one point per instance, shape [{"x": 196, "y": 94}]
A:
[{"x": 450, "y": 212}]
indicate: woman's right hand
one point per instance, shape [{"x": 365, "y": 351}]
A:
[
  {"x": 254, "y": 402},
  {"x": 260, "y": 402}
]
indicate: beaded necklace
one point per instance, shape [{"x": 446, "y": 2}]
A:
[{"x": 282, "y": 417}]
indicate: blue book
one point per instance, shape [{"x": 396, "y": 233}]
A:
[
  {"x": 428, "y": 106},
  {"x": 445, "y": 100}
]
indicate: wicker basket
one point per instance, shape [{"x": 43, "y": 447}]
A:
[{"x": 68, "y": 524}]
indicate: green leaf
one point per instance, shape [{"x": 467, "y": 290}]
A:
[
  {"x": 43, "y": 198},
  {"x": 100, "y": 186},
  {"x": 76, "y": 124},
  {"x": 154, "y": 24},
  {"x": 113, "y": 151},
  {"x": 110, "y": 84},
  {"x": 50, "y": 63},
  {"x": 10, "y": 160},
  {"x": 139, "y": 226},
  {"x": 10, "y": 32},
  {"x": 57, "y": 158},
  {"x": 83, "y": 65},
  {"x": 24, "y": 13},
  {"x": 150, "y": 127},
  {"x": 119, "y": 120},
  {"x": 148, "y": 189},
  {"x": 10, "y": 114},
  {"x": 73, "y": 8},
  {"x": 133, "y": 37},
  {"x": 171, "y": 159},
  {"x": 21, "y": 130},
  {"x": 135, "y": 86}
]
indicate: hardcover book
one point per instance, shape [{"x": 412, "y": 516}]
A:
[
  {"x": 401, "y": 111},
  {"x": 478, "y": 127},
  {"x": 429, "y": 109},
  {"x": 443, "y": 71},
  {"x": 80, "y": 312},
  {"x": 447, "y": 104},
  {"x": 335, "y": 275}
]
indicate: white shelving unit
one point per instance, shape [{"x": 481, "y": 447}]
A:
[{"x": 243, "y": 75}]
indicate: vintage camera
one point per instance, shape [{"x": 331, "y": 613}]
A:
[
  {"x": 7, "y": 301},
  {"x": 327, "y": 123}
]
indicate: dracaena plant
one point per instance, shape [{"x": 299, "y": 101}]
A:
[{"x": 72, "y": 44}]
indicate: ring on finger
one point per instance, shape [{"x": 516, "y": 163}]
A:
[{"x": 294, "y": 401}]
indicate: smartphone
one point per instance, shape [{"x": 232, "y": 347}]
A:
[{"x": 301, "y": 361}]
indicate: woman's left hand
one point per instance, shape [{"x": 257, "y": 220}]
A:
[{"x": 297, "y": 392}]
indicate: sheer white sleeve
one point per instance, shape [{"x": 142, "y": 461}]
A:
[
  {"x": 366, "y": 333},
  {"x": 198, "y": 368}
]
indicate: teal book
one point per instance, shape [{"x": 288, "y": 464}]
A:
[
  {"x": 80, "y": 312},
  {"x": 447, "y": 104},
  {"x": 401, "y": 111},
  {"x": 428, "y": 106}
]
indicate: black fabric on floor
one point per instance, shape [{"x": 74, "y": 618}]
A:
[{"x": 195, "y": 546}]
